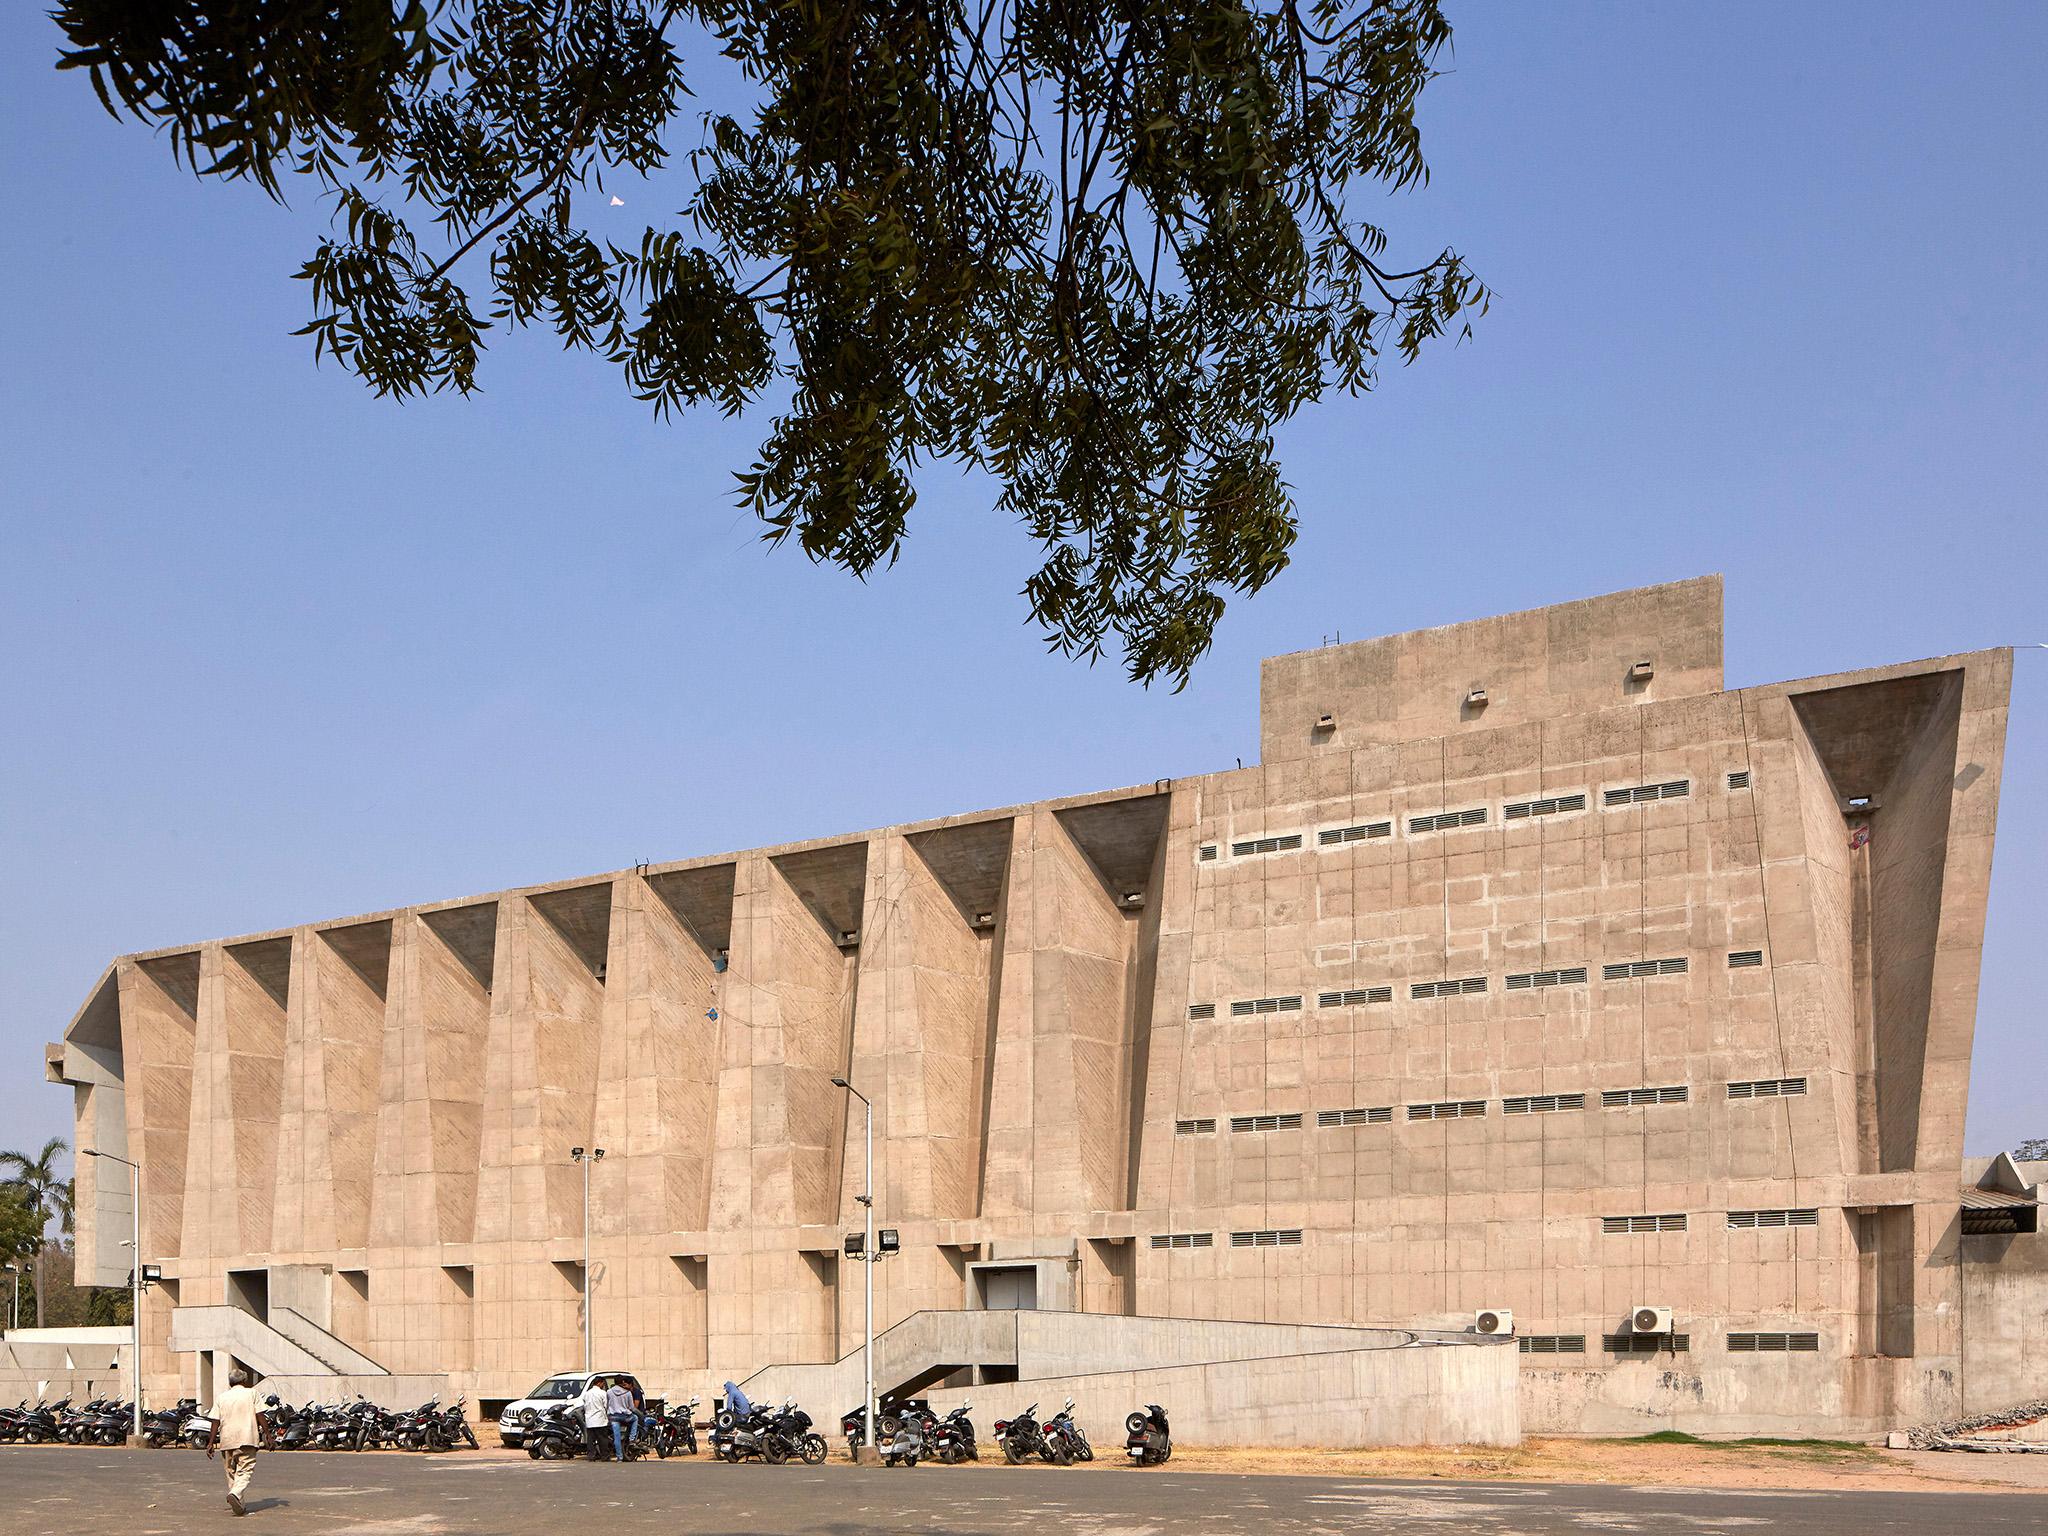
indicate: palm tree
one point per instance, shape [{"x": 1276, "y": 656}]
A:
[{"x": 47, "y": 1194}]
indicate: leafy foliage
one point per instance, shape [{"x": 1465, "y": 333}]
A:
[{"x": 1100, "y": 249}]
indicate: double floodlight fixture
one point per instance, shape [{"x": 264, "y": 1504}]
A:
[{"x": 595, "y": 1154}]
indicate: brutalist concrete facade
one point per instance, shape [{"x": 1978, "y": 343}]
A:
[{"x": 1530, "y": 970}]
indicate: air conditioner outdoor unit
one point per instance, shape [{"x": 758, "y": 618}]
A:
[
  {"x": 1650, "y": 1320},
  {"x": 1493, "y": 1320}
]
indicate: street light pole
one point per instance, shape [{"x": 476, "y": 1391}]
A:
[
  {"x": 867, "y": 1255},
  {"x": 578, "y": 1155},
  {"x": 14, "y": 1316},
  {"x": 134, "y": 1274}
]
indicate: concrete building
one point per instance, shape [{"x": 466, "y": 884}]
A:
[{"x": 1530, "y": 970}]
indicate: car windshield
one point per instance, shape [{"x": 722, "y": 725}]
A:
[{"x": 557, "y": 1387}]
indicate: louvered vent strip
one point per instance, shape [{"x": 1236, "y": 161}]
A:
[
  {"x": 1201, "y": 1010},
  {"x": 1184, "y": 1240},
  {"x": 1623, "y": 1226},
  {"x": 1521, "y": 810},
  {"x": 1553, "y": 1343},
  {"x": 1739, "y": 779},
  {"x": 1631, "y": 970},
  {"x": 1444, "y": 821},
  {"x": 1646, "y": 1343},
  {"x": 1740, "y": 1220},
  {"x": 1461, "y": 987},
  {"x": 1284, "y": 1237},
  {"x": 1745, "y": 959},
  {"x": 1330, "y": 1118},
  {"x": 1286, "y": 843},
  {"x": 1202, "y": 1126},
  {"x": 1566, "y": 976},
  {"x": 1542, "y": 1103},
  {"x": 1768, "y": 1088},
  {"x": 1355, "y": 997},
  {"x": 1639, "y": 794},
  {"x": 1334, "y": 836}
]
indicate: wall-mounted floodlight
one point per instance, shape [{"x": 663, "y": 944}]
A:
[
  {"x": 887, "y": 1241},
  {"x": 856, "y": 1245}
]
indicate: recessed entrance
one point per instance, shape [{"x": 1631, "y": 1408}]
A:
[{"x": 1008, "y": 1288}]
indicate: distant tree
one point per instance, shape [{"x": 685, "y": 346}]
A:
[
  {"x": 1098, "y": 249},
  {"x": 2033, "y": 1150},
  {"x": 20, "y": 1232},
  {"x": 48, "y": 1196},
  {"x": 81, "y": 1306}
]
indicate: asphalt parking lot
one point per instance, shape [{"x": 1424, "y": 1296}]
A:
[{"x": 60, "y": 1491}]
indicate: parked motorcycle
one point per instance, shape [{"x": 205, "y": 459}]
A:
[
  {"x": 1062, "y": 1429},
  {"x": 952, "y": 1438},
  {"x": 674, "y": 1433},
  {"x": 1021, "y": 1438},
  {"x": 790, "y": 1436},
  {"x": 166, "y": 1426},
  {"x": 1148, "y": 1442}
]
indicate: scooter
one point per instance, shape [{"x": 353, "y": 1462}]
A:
[
  {"x": 1149, "y": 1442},
  {"x": 901, "y": 1440}
]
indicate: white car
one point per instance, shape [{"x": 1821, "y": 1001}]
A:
[{"x": 556, "y": 1390}]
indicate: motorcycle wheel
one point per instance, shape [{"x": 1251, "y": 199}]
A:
[
  {"x": 533, "y": 1450},
  {"x": 550, "y": 1449},
  {"x": 1086, "y": 1452},
  {"x": 814, "y": 1450},
  {"x": 661, "y": 1446},
  {"x": 1010, "y": 1453},
  {"x": 773, "y": 1451},
  {"x": 469, "y": 1437},
  {"x": 1057, "y": 1453},
  {"x": 1166, "y": 1451}
]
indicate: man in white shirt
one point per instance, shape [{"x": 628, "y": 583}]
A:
[
  {"x": 596, "y": 1416},
  {"x": 235, "y": 1434}
]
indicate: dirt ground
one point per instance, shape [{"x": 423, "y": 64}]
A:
[
  {"x": 1784, "y": 1464},
  {"x": 1790, "y": 1464}
]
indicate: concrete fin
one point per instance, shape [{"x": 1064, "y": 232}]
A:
[
  {"x": 832, "y": 883},
  {"x": 269, "y": 964},
  {"x": 367, "y": 949},
  {"x": 177, "y": 977},
  {"x": 970, "y": 862},
  {"x": 583, "y": 917},
  {"x": 701, "y": 900},
  {"x": 471, "y": 934},
  {"x": 1120, "y": 839}
]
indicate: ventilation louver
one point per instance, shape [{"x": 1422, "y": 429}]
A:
[
  {"x": 1286, "y": 843},
  {"x": 1567, "y": 976},
  {"x": 1553, "y": 805},
  {"x": 1639, "y": 794},
  {"x": 1245, "y": 1007},
  {"x": 1330, "y": 1119},
  {"x": 1463, "y": 986},
  {"x": 1334, "y": 836},
  {"x": 1354, "y": 997},
  {"x": 1636, "y": 970},
  {"x": 1444, "y": 821}
]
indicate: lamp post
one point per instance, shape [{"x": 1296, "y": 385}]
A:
[
  {"x": 867, "y": 1257},
  {"x": 14, "y": 1316},
  {"x": 593, "y": 1155},
  {"x": 134, "y": 1272}
]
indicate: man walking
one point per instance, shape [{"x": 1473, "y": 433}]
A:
[
  {"x": 619, "y": 1406},
  {"x": 235, "y": 1434},
  {"x": 594, "y": 1404}
]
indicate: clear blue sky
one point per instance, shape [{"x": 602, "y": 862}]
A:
[{"x": 1770, "y": 303}]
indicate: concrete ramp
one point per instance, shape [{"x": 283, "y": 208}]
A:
[{"x": 1221, "y": 1383}]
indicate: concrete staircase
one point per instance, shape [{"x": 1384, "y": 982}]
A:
[{"x": 287, "y": 1345}]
